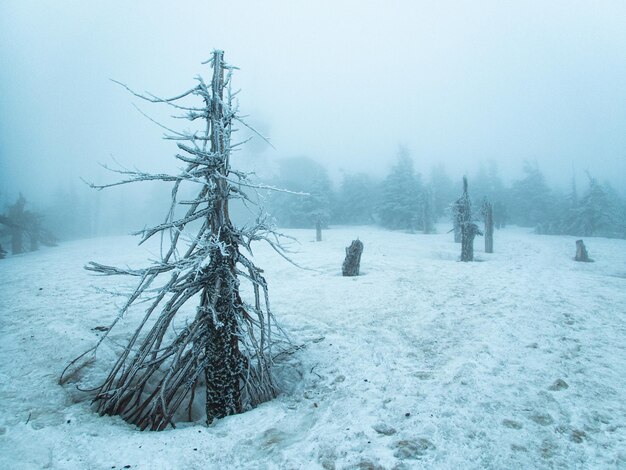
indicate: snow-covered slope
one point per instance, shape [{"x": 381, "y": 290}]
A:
[{"x": 516, "y": 361}]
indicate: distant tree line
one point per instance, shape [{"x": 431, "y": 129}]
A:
[
  {"x": 75, "y": 211},
  {"x": 402, "y": 199},
  {"x": 405, "y": 200}
]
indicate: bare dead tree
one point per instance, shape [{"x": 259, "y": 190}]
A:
[
  {"x": 225, "y": 348},
  {"x": 352, "y": 263},
  {"x": 21, "y": 223}
]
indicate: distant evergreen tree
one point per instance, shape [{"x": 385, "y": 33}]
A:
[
  {"x": 302, "y": 175},
  {"x": 569, "y": 222},
  {"x": 72, "y": 211},
  {"x": 500, "y": 215},
  {"x": 17, "y": 220},
  {"x": 399, "y": 203},
  {"x": 443, "y": 191},
  {"x": 617, "y": 212},
  {"x": 487, "y": 183},
  {"x": 573, "y": 196},
  {"x": 593, "y": 211},
  {"x": 428, "y": 212},
  {"x": 356, "y": 199},
  {"x": 531, "y": 199}
]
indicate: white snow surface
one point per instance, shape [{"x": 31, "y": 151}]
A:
[{"x": 420, "y": 362}]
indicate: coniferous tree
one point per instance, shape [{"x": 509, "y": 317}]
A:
[
  {"x": 616, "y": 210},
  {"x": 443, "y": 191},
  {"x": 593, "y": 211},
  {"x": 487, "y": 182},
  {"x": 500, "y": 215},
  {"x": 428, "y": 216},
  {"x": 301, "y": 175},
  {"x": 531, "y": 199},
  {"x": 356, "y": 199},
  {"x": 399, "y": 205},
  {"x": 569, "y": 221},
  {"x": 17, "y": 218}
]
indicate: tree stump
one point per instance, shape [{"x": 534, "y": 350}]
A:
[
  {"x": 581, "y": 252},
  {"x": 352, "y": 263}
]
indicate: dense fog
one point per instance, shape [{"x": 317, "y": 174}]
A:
[
  {"x": 359, "y": 99},
  {"x": 367, "y": 235}
]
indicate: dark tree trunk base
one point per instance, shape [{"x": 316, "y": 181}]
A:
[
  {"x": 352, "y": 263},
  {"x": 468, "y": 232},
  {"x": 581, "y": 252}
]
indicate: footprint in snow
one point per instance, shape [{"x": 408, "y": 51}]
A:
[
  {"x": 509, "y": 423},
  {"x": 542, "y": 419},
  {"x": 412, "y": 449}
]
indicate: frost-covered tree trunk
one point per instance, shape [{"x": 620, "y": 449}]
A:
[
  {"x": 225, "y": 348},
  {"x": 468, "y": 229},
  {"x": 352, "y": 263},
  {"x": 318, "y": 229},
  {"x": 488, "y": 215},
  {"x": 467, "y": 242},
  {"x": 221, "y": 304}
]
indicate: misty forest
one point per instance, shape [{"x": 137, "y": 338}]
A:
[{"x": 313, "y": 236}]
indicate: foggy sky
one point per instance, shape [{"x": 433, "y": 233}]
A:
[{"x": 343, "y": 82}]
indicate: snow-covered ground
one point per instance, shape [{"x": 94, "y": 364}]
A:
[{"x": 516, "y": 361}]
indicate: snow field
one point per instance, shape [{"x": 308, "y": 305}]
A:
[{"x": 515, "y": 361}]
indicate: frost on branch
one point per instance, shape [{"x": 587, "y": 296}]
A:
[
  {"x": 463, "y": 222},
  {"x": 218, "y": 357}
]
